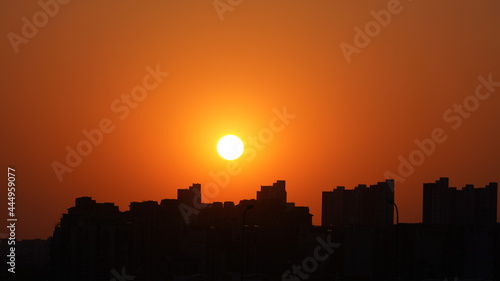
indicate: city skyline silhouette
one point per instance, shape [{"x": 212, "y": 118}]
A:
[
  {"x": 269, "y": 238},
  {"x": 134, "y": 109},
  {"x": 257, "y": 140}
]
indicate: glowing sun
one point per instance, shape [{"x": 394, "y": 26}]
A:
[{"x": 230, "y": 147}]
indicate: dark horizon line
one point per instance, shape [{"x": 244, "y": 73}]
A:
[{"x": 466, "y": 186}]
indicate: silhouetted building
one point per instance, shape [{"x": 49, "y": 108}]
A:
[
  {"x": 191, "y": 196},
  {"x": 417, "y": 252},
  {"x": 275, "y": 193},
  {"x": 443, "y": 204},
  {"x": 31, "y": 260},
  {"x": 151, "y": 241},
  {"x": 362, "y": 205},
  {"x": 88, "y": 242},
  {"x": 270, "y": 239}
]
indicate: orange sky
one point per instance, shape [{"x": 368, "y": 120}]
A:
[{"x": 352, "y": 120}]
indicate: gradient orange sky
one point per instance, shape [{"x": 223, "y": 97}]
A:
[{"x": 353, "y": 120}]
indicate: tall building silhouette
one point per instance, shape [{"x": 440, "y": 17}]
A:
[
  {"x": 88, "y": 241},
  {"x": 448, "y": 205},
  {"x": 267, "y": 237},
  {"x": 190, "y": 196},
  {"x": 362, "y": 205},
  {"x": 275, "y": 193},
  {"x": 155, "y": 241}
]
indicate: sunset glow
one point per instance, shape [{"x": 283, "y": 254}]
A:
[
  {"x": 231, "y": 139},
  {"x": 324, "y": 94}
]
